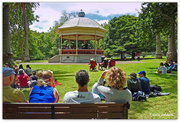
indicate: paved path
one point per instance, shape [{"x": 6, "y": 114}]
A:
[{"x": 117, "y": 62}]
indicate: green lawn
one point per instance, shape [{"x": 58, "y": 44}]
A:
[{"x": 161, "y": 107}]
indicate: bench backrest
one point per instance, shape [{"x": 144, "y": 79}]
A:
[{"x": 65, "y": 111}]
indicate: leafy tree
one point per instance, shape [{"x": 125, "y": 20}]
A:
[
  {"x": 120, "y": 35},
  {"x": 162, "y": 18},
  {"x": 17, "y": 25}
]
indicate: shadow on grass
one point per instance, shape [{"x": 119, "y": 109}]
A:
[{"x": 139, "y": 107}]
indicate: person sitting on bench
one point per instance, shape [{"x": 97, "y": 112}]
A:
[
  {"x": 11, "y": 94},
  {"x": 115, "y": 92},
  {"x": 43, "y": 92},
  {"x": 82, "y": 95}
]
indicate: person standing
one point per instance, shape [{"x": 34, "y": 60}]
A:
[
  {"x": 82, "y": 95},
  {"x": 145, "y": 85}
]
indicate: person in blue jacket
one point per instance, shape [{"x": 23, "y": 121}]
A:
[{"x": 144, "y": 81}]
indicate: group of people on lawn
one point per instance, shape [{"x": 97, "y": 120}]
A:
[
  {"x": 167, "y": 67},
  {"x": 44, "y": 92},
  {"x": 104, "y": 64}
]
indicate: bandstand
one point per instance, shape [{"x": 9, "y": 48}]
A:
[{"x": 79, "y": 29}]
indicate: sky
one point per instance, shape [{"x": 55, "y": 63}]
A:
[{"x": 99, "y": 11}]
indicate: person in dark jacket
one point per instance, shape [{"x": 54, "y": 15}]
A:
[{"x": 133, "y": 84}]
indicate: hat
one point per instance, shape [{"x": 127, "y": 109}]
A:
[
  {"x": 142, "y": 72},
  {"x": 34, "y": 71},
  {"x": 7, "y": 71},
  {"x": 133, "y": 75},
  {"x": 21, "y": 71},
  {"x": 92, "y": 59}
]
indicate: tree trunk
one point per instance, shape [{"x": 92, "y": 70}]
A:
[
  {"x": 171, "y": 54},
  {"x": 158, "y": 47},
  {"x": 22, "y": 53},
  {"x": 26, "y": 34},
  {"x": 7, "y": 54}
]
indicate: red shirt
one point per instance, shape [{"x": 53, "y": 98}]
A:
[{"x": 23, "y": 78}]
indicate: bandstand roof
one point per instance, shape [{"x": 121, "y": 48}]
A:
[{"x": 85, "y": 28}]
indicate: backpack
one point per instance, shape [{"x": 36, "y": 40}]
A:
[
  {"x": 139, "y": 96},
  {"x": 155, "y": 88}
]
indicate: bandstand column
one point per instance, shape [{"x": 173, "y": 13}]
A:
[
  {"x": 76, "y": 44},
  {"x": 69, "y": 44},
  {"x": 103, "y": 43},
  {"x": 95, "y": 44},
  {"x": 61, "y": 45}
]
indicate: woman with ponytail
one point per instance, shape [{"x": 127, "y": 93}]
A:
[
  {"x": 43, "y": 92},
  {"x": 115, "y": 92}
]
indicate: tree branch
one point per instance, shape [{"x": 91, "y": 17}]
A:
[{"x": 165, "y": 15}]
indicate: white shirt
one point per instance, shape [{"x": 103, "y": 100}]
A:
[
  {"x": 163, "y": 69},
  {"x": 81, "y": 97}
]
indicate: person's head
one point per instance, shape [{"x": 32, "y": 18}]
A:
[
  {"x": 161, "y": 64},
  {"x": 8, "y": 76},
  {"x": 116, "y": 78},
  {"x": 133, "y": 75},
  {"x": 111, "y": 58},
  {"x": 142, "y": 74},
  {"x": 20, "y": 66},
  {"x": 175, "y": 62},
  {"x": 82, "y": 78},
  {"x": 171, "y": 61},
  {"x": 21, "y": 71},
  {"x": 27, "y": 66},
  {"x": 45, "y": 78},
  {"x": 34, "y": 72}
]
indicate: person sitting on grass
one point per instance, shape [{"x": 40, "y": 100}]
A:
[
  {"x": 103, "y": 64},
  {"x": 92, "y": 64},
  {"x": 28, "y": 70},
  {"x": 115, "y": 92},
  {"x": 82, "y": 95},
  {"x": 171, "y": 64},
  {"x": 43, "y": 92},
  {"x": 23, "y": 79},
  {"x": 33, "y": 79},
  {"x": 11, "y": 94},
  {"x": 175, "y": 66},
  {"x": 111, "y": 62},
  {"x": 145, "y": 86},
  {"x": 162, "y": 69},
  {"x": 133, "y": 84}
]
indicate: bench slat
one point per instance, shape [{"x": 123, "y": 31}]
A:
[
  {"x": 76, "y": 116},
  {"x": 27, "y": 116},
  {"x": 110, "y": 109},
  {"x": 76, "y": 110},
  {"x": 110, "y": 115}
]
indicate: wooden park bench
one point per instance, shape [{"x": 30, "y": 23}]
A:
[{"x": 109, "y": 110}]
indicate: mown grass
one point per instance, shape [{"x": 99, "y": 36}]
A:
[{"x": 161, "y": 107}]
